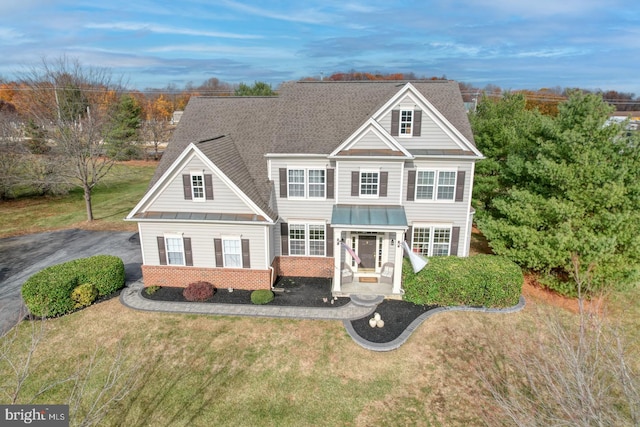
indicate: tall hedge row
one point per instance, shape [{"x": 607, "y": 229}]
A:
[
  {"x": 481, "y": 280},
  {"x": 48, "y": 292}
]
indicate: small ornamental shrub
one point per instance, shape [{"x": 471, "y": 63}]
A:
[
  {"x": 48, "y": 292},
  {"x": 84, "y": 295},
  {"x": 150, "y": 290},
  {"x": 198, "y": 291},
  {"x": 262, "y": 296},
  {"x": 481, "y": 280}
]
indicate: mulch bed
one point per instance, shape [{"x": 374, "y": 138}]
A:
[
  {"x": 397, "y": 316},
  {"x": 315, "y": 292}
]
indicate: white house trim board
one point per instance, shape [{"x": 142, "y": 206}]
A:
[
  {"x": 379, "y": 131},
  {"x": 175, "y": 169},
  {"x": 431, "y": 111}
]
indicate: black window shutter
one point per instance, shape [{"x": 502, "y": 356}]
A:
[
  {"x": 161, "y": 250},
  {"x": 455, "y": 236},
  {"x": 208, "y": 187},
  {"x": 329, "y": 241},
  {"x": 411, "y": 186},
  {"x": 460, "y": 186},
  {"x": 408, "y": 236},
  {"x": 355, "y": 183},
  {"x": 331, "y": 183},
  {"x": 283, "y": 182},
  {"x": 217, "y": 248},
  {"x": 246, "y": 258},
  {"x": 384, "y": 179},
  {"x": 395, "y": 123},
  {"x": 417, "y": 122},
  {"x": 186, "y": 185},
  {"x": 284, "y": 238},
  {"x": 188, "y": 255}
]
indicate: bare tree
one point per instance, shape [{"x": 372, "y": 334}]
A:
[
  {"x": 73, "y": 103},
  {"x": 156, "y": 131},
  {"x": 577, "y": 372},
  {"x": 12, "y": 154}
]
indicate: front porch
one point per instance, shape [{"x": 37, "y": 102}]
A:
[{"x": 368, "y": 254}]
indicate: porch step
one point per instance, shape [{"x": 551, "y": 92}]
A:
[{"x": 367, "y": 300}]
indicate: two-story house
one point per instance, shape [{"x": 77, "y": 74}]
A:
[{"x": 325, "y": 180}]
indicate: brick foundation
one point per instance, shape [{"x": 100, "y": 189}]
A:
[
  {"x": 237, "y": 278},
  {"x": 303, "y": 266}
]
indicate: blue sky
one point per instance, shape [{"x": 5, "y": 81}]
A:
[{"x": 514, "y": 44}]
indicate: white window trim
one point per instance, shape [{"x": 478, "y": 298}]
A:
[
  {"x": 306, "y": 183},
  {"x": 307, "y": 240},
  {"x": 204, "y": 187},
  {"x": 432, "y": 227},
  {"x": 410, "y": 134},
  {"x": 436, "y": 179},
  {"x": 166, "y": 247},
  {"x": 368, "y": 196},
  {"x": 224, "y": 259}
]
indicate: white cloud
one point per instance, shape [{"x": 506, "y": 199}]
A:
[{"x": 165, "y": 29}]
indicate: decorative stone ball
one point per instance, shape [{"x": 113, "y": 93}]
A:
[
  {"x": 376, "y": 316},
  {"x": 380, "y": 323},
  {"x": 373, "y": 322}
]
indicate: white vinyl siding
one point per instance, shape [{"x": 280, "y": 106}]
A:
[
  {"x": 172, "y": 197},
  {"x": 394, "y": 169},
  {"x": 202, "y": 241}
]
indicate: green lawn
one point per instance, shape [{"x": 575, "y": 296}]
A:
[{"x": 113, "y": 198}]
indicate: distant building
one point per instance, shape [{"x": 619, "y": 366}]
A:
[{"x": 175, "y": 118}]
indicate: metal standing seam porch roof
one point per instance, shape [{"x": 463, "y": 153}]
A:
[{"x": 369, "y": 216}]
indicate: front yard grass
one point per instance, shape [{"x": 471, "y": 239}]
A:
[
  {"x": 113, "y": 198},
  {"x": 202, "y": 370}
]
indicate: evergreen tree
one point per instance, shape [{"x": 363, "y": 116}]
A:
[
  {"x": 258, "y": 89},
  {"x": 124, "y": 129}
]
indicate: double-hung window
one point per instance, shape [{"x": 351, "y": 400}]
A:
[
  {"x": 232, "y": 252},
  {"x": 307, "y": 239},
  {"x": 306, "y": 183},
  {"x": 175, "y": 250},
  {"x": 197, "y": 186},
  {"x": 431, "y": 241},
  {"x": 435, "y": 185},
  {"x": 406, "y": 122},
  {"x": 369, "y": 183}
]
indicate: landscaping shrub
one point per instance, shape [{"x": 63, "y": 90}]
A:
[
  {"x": 48, "y": 292},
  {"x": 262, "y": 296},
  {"x": 481, "y": 280},
  {"x": 150, "y": 290},
  {"x": 198, "y": 291},
  {"x": 84, "y": 295}
]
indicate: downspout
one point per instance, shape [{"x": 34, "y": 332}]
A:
[{"x": 272, "y": 274}]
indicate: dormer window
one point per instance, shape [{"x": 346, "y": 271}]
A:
[{"x": 406, "y": 122}]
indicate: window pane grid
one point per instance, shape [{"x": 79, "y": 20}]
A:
[
  {"x": 296, "y": 183},
  {"x": 232, "y": 250},
  {"x": 197, "y": 184},
  {"x": 369, "y": 183},
  {"x": 175, "y": 255},
  {"x": 424, "y": 184},
  {"x": 297, "y": 239},
  {"x": 441, "y": 239},
  {"x": 316, "y": 240},
  {"x": 420, "y": 242},
  {"x": 405, "y": 122},
  {"x": 446, "y": 185},
  {"x": 316, "y": 183}
]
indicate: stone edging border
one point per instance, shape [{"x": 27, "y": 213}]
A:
[{"x": 404, "y": 336}]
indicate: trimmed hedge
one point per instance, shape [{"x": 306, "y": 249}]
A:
[
  {"x": 48, "y": 292},
  {"x": 481, "y": 280},
  {"x": 262, "y": 296}
]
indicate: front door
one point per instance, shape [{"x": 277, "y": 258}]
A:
[{"x": 367, "y": 251}]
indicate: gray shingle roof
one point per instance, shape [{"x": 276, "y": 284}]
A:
[{"x": 306, "y": 117}]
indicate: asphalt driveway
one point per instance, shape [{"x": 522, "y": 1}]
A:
[{"x": 22, "y": 256}]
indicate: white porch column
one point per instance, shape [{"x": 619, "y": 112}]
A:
[
  {"x": 397, "y": 271},
  {"x": 337, "y": 256}
]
